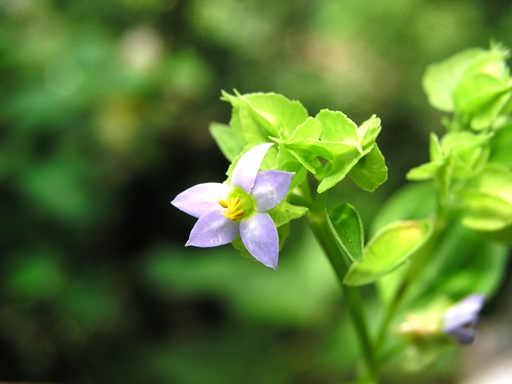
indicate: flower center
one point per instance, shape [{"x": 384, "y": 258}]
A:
[
  {"x": 233, "y": 208},
  {"x": 238, "y": 205}
]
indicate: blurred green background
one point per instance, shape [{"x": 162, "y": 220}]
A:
[{"x": 104, "y": 114}]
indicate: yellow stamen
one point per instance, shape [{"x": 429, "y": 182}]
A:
[{"x": 232, "y": 205}]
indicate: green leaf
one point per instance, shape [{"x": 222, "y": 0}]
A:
[
  {"x": 259, "y": 115},
  {"x": 368, "y": 131},
  {"x": 466, "y": 151},
  {"x": 441, "y": 78},
  {"x": 494, "y": 179},
  {"x": 463, "y": 142},
  {"x": 230, "y": 144},
  {"x": 488, "y": 212},
  {"x": 424, "y": 171},
  {"x": 339, "y": 167},
  {"x": 503, "y": 235},
  {"x": 310, "y": 129},
  {"x": 414, "y": 201},
  {"x": 367, "y": 165},
  {"x": 336, "y": 139},
  {"x": 489, "y": 113},
  {"x": 235, "y": 123},
  {"x": 389, "y": 248},
  {"x": 286, "y": 161},
  {"x": 370, "y": 171},
  {"x": 488, "y": 201},
  {"x": 285, "y": 212},
  {"x": 347, "y": 228},
  {"x": 300, "y": 144},
  {"x": 474, "y": 92},
  {"x": 431, "y": 169},
  {"x": 246, "y": 122},
  {"x": 280, "y": 112},
  {"x": 443, "y": 180},
  {"x": 336, "y": 126},
  {"x": 491, "y": 61},
  {"x": 482, "y": 97},
  {"x": 462, "y": 262},
  {"x": 436, "y": 152}
]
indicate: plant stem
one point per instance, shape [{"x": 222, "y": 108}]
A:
[{"x": 317, "y": 219}]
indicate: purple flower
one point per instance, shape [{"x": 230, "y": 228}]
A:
[
  {"x": 458, "y": 320},
  {"x": 226, "y": 211}
]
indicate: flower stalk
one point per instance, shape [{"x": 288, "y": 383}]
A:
[{"x": 317, "y": 219}]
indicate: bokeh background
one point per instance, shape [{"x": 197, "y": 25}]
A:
[{"x": 104, "y": 114}]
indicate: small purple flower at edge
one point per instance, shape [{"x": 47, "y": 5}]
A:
[
  {"x": 458, "y": 320},
  {"x": 226, "y": 211}
]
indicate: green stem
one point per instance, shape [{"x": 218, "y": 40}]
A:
[{"x": 317, "y": 219}]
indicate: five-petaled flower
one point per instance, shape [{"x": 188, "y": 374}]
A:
[
  {"x": 458, "y": 320},
  {"x": 226, "y": 211}
]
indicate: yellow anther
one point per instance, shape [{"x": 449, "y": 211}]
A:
[{"x": 232, "y": 205}]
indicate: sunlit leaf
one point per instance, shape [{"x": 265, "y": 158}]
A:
[
  {"x": 336, "y": 126},
  {"x": 389, "y": 248},
  {"x": 441, "y": 78},
  {"x": 475, "y": 91},
  {"x": 260, "y": 115}
]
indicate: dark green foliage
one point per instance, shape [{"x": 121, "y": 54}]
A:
[{"x": 104, "y": 114}]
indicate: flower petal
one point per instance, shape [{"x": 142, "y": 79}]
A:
[
  {"x": 201, "y": 198},
  {"x": 270, "y": 188},
  {"x": 248, "y": 166},
  {"x": 213, "y": 229},
  {"x": 459, "y": 319},
  {"x": 259, "y": 235},
  {"x": 464, "y": 312}
]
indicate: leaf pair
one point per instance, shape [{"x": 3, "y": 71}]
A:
[
  {"x": 488, "y": 203},
  {"x": 460, "y": 263},
  {"x": 475, "y": 84},
  {"x": 388, "y": 249},
  {"x": 329, "y": 145},
  {"x": 458, "y": 155},
  {"x": 255, "y": 118}
]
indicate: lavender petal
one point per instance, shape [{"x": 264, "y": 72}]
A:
[
  {"x": 201, "y": 198},
  {"x": 270, "y": 188},
  {"x": 458, "y": 320},
  {"x": 259, "y": 235},
  {"x": 213, "y": 229},
  {"x": 463, "y": 313},
  {"x": 247, "y": 167}
]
